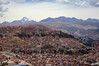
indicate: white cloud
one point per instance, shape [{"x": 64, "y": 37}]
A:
[
  {"x": 18, "y": 0},
  {"x": 74, "y": 2},
  {"x": 62, "y": 0},
  {"x": 1, "y": 14},
  {"x": 3, "y": 9},
  {"x": 81, "y": 2},
  {"x": 94, "y": 3},
  {"x": 4, "y": 2},
  {"x": 97, "y": 3}
]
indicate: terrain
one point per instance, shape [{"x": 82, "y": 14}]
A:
[
  {"x": 37, "y": 46},
  {"x": 87, "y": 30}
]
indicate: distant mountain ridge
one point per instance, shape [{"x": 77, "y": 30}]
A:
[
  {"x": 49, "y": 19},
  {"x": 86, "y": 29},
  {"x": 23, "y": 21},
  {"x": 61, "y": 19}
]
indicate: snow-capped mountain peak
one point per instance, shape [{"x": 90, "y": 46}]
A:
[{"x": 25, "y": 19}]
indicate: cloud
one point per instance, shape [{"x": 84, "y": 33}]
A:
[
  {"x": 1, "y": 15},
  {"x": 17, "y": 1},
  {"x": 94, "y": 3},
  {"x": 20, "y": 1},
  {"x": 77, "y": 3},
  {"x": 3, "y": 9},
  {"x": 97, "y": 3},
  {"x": 80, "y": 2},
  {"x": 4, "y": 2},
  {"x": 74, "y": 2},
  {"x": 71, "y": 2}
]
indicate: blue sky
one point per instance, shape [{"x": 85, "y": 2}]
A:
[{"x": 40, "y": 9}]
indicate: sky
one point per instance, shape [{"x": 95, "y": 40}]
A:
[{"x": 37, "y": 10}]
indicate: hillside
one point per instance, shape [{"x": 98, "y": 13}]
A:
[
  {"x": 77, "y": 27},
  {"x": 31, "y": 36},
  {"x": 32, "y": 44},
  {"x": 80, "y": 28}
]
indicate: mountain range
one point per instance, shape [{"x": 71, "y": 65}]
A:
[{"x": 87, "y": 29}]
